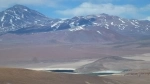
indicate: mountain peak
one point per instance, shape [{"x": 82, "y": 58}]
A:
[
  {"x": 19, "y": 16},
  {"x": 18, "y": 5}
]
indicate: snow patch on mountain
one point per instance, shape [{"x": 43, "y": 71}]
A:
[
  {"x": 77, "y": 28},
  {"x": 57, "y": 24},
  {"x": 25, "y": 9},
  {"x": 112, "y": 23},
  {"x": 106, "y": 26},
  {"x": 121, "y": 20},
  {"x": 99, "y": 32}
]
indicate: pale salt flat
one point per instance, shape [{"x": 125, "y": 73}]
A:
[
  {"x": 66, "y": 65},
  {"x": 72, "y": 64}
]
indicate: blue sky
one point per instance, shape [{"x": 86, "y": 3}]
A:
[{"x": 135, "y": 9}]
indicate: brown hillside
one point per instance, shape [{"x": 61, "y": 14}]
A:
[{"x": 23, "y": 76}]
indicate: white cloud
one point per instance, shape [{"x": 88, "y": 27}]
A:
[
  {"x": 89, "y": 8},
  {"x": 147, "y": 18},
  {"x": 145, "y": 8}
]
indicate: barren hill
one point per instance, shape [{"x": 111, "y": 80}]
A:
[
  {"x": 113, "y": 63},
  {"x": 23, "y": 76}
]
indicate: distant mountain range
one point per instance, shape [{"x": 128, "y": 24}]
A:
[{"x": 91, "y": 28}]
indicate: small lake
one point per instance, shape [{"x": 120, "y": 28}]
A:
[
  {"x": 94, "y": 73},
  {"x": 62, "y": 71}
]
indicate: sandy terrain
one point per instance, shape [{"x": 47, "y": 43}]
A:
[
  {"x": 44, "y": 55},
  {"x": 22, "y": 76}
]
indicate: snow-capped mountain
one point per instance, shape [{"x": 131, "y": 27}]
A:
[
  {"x": 91, "y": 28},
  {"x": 120, "y": 25},
  {"x": 115, "y": 23},
  {"x": 20, "y": 16}
]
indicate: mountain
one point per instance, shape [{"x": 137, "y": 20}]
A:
[
  {"x": 110, "y": 22},
  {"x": 79, "y": 29},
  {"x": 19, "y": 16}
]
